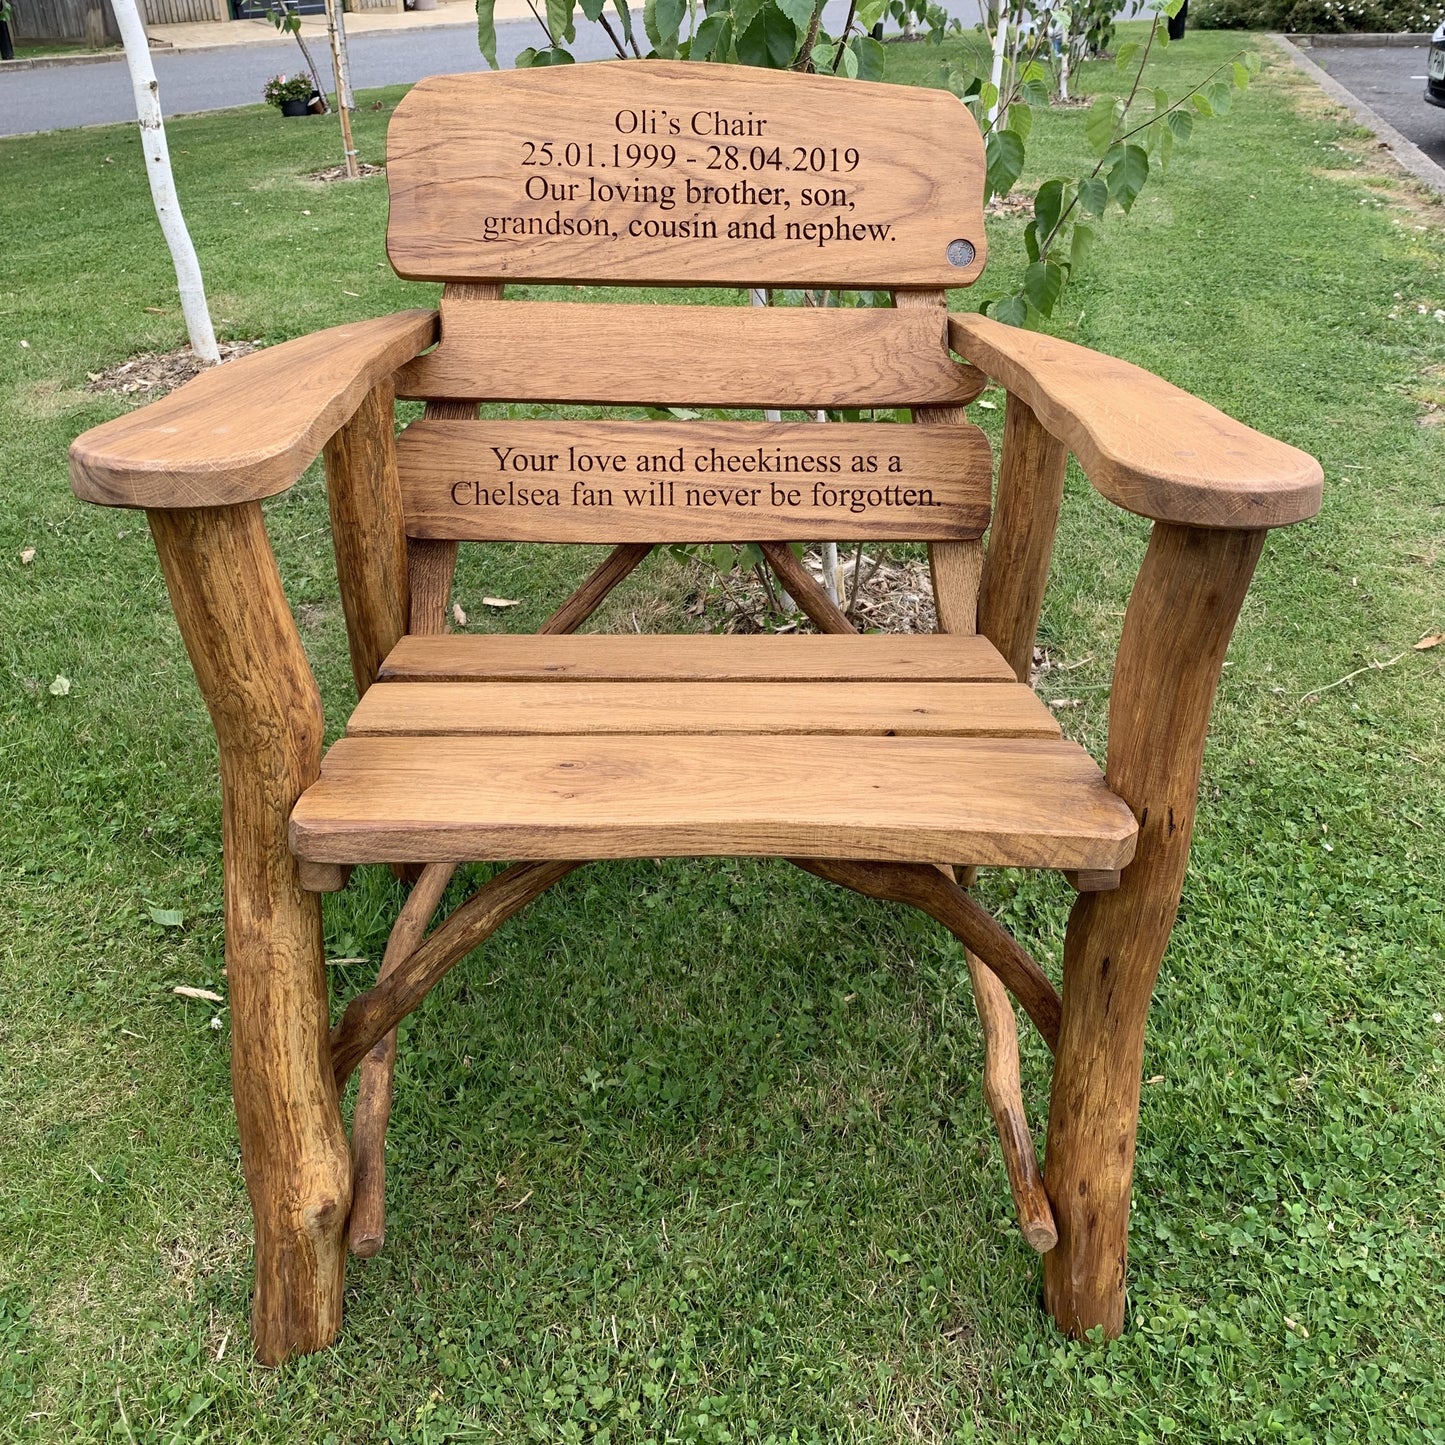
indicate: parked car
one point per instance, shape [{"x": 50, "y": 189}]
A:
[{"x": 1435, "y": 70}]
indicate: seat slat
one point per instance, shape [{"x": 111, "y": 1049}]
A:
[
  {"x": 706, "y": 657},
  {"x": 723, "y": 356},
  {"x": 1024, "y": 802},
  {"x": 502, "y": 709}
]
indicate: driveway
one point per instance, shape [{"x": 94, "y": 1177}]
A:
[{"x": 1390, "y": 79}]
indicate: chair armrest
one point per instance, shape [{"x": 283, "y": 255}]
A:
[
  {"x": 248, "y": 429},
  {"x": 1146, "y": 445}
]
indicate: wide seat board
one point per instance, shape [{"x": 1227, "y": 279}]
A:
[
  {"x": 705, "y": 657},
  {"x": 671, "y": 173},
  {"x": 885, "y": 709},
  {"x": 791, "y": 357},
  {"x": 705, "y": 482},
  {"x": 1006, "y": 802}
]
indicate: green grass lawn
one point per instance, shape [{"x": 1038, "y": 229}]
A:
[{"x": 697, "y": 1151}]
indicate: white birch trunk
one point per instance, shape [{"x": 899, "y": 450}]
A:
[
  {"x": 1000, "y": 41},
  {"x": 341, "y": 64},
  {"x": 163, "y": 186}
]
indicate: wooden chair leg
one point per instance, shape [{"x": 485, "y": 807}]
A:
[
  {"x": 1176, "y": 630},
  {"x": 253, "y": 674}
]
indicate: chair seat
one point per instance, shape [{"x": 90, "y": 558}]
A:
[{"x": 918, "y": 748}]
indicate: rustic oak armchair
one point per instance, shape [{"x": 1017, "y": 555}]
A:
[{"x": 929, "y": 754}]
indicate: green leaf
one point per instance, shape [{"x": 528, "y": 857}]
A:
[
  {"x": 592, "y": 9},
  {"x": 847, "y": 64},
  {"x": 1181, "y": 124},
  {"x": 1200, "y": 102},
  {"x": 668, "y": 16},
  {"x": 1004, "y": 155},
  {"x": 1012, "y": 310},
  {"x": 770, "y": 41},
  {"x": 1043, "y": 282},
  {"x": 1128, "y": 174},
  {"x": 1048, "y": 207},
  {"x": 1082, "y": 243},
  {"x": 987, "y": 95},
  {"x": 1161, "y": 98},
  {"x": 1099, "y": 127},
  {"x": 871, "y": 57},
  {"x": 1020, "y": 121},
  {"x": 822, "y": 56},
  {"x": 1126, "y": 52},
  {"x": 1166, "y": 144},
  {"x": 165, "y": 917},
  {"x": 706, "y": 37},
  {"x": 1035, "y": 92},
  {"x": 1093, "y": 195},
  {"x": 1221, "y": 97},
  {"x": 526, "y": 59},
  {"x": 1031, "y": 240},
  {"x": 1241, "y": 75},
  {"x": 800, "y": 12},
  {"x": 555, "y": 56},
  {"x": 624, "y": 14},
  {"x": 870, "y": 12},
  {"x": 560, "y": 24},
  {"x": 487, "y": 31}
]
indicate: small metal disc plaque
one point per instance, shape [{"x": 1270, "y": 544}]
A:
[{"x": 961, "y": 253}]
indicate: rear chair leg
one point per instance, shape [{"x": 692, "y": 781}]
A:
[{"x": 1176, "y": 631}]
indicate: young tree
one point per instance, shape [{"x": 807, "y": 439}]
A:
[{"x": 163, "y": 186}]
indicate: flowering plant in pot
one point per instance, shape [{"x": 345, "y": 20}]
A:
[{"x": 292, "y": 94}]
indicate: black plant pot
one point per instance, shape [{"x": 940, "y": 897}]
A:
[{"x": 293, "y": 107}]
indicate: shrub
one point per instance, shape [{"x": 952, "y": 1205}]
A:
[
  {"x": 1319, "y": 17},
  {"x": 279, "y": 89}
]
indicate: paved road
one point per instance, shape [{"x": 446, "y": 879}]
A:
[
  {"x": 75, "y": 95},
  {"x": 1391, "y": 81}
]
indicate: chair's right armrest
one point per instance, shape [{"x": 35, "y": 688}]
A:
[{"x": 248, "y": 429}]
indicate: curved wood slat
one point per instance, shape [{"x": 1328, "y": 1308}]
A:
[
  {"x": 1145, "y": 444},
  {"x": 724, "y": 356},
  {"x": 247, "y": 429}
]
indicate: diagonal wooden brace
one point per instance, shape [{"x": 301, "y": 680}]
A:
[
  {"x": 927, "y": 888},
  {"x": 824, "y": 613},
  {"x": 372, "y": 1015},
  {"x": 617, "y": 565}
]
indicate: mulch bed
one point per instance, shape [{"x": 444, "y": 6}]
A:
[
  {"x": 338, "y": 173},
  {"x": 153, "y": 373}
]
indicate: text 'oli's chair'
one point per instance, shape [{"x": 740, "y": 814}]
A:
[{"x": 877, "y": 762}]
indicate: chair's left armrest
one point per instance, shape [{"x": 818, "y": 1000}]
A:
[
  {"x": 1144, "y": 444},
  {"x": 248, "y": 429}
]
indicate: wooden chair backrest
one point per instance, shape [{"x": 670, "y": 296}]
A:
[{"x": 666, "y": 173}]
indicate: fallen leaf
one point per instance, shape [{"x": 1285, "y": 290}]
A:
[
  {"x": 204, "y": 994},
  {"x": 25, "y": 346},
  {"x": 28, "y": 556},
  {"x": 155, "y": 310},
  {"x": 989, "y": 405},
  {"x": 165, "y": 917},
  {"x": 1157, "y": 1079},
  {"x": 1066, "y": 702},
  {"x": 458, "y": 616},
  {"x": 1431, "y": 639},
  {"x": 60, "y": 687},
  {"x": 345, "y": 292},
  {"x": 499, "y": 602}
]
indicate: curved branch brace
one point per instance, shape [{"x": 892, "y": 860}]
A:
[
  {"x": 373, "y": 1014},
  {"x": 925, "y": 887},
  {"x": 616, "y": 567},
  {"x": 821, "y": 610},
  {"x": 1176, "y": 630},
  {"x": 373, "y": 1093},
  {"x": 1003, "y": 1092},
  {"x": 253, "y": 674}
]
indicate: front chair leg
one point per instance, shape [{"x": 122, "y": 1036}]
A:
[
  {"x": 253, "y": 674},
  {"x": 1176, "y": 631}
]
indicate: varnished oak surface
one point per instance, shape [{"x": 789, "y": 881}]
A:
[
  {"x": 576, "y": 481},
  {"x": 500, "y": 709},
  {"x": 704, "y": 657},
  {"x": 246, "y": 429},
  {"x": 726, "y": 356},
  {"x": 473, "y": 158},
  {"x": 1025, "y": 802},
  {"x": 1145, "y": 444}
]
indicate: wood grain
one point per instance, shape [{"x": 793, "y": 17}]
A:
[
  {"x": 1021, "y": 541},
  {"x": 457, "y": 147},
  {"x": 367, "y": 533},
  {"x": 1003, "y": 1092},
  {"x": 1146, "y": 445},
  {"x": 820, "y": 609},
  {"x": 253, "y": 675},
  {"x": 878, "y": 657},
  {"x": 249, "y": 428},
  {"x": 1010, "y": 802},
  {"x": 529, "y": 709},
  {"x": 722, "y": 356},
  {"x": 1176, "y": 631},
  {"x": 372, "y": 1113},
  {"x": 598, "y": 481}
]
